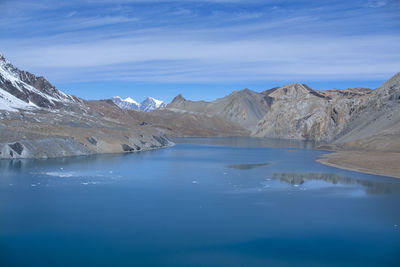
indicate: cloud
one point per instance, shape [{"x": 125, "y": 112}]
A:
[
  {"x": 180, "y": 60},
  {"x": 377, "y": 4},
  {"x": 184, "y": 41}
]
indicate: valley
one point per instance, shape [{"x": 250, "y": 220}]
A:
[{"x": 37, "y": 120}]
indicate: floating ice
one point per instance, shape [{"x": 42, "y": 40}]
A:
[{"x": 61, "y": 174}]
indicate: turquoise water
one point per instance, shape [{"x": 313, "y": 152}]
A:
[{"x": 204, "y": 202}]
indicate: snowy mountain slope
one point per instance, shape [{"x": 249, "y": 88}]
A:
[
  {"x": 127, "y": 103},
  {"x": 147, "y": 105},
  {"x": 151, "y": 104},
  {"x": 11, "y": 103},
  {"x": 21, "y": 89}
]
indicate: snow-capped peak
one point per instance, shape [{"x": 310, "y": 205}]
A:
[
  {"x": 130, "y": 100},
  {"x": 151, "y": 103},
  {"x": 127, "y": 103},
  {"x": 158, "y": 102},
  {"x": 148, "y": 104}
]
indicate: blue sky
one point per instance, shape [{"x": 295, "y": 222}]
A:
[{"x": 203, "y": 49}]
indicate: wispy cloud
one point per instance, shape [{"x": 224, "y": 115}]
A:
[
  {"x": 203, "y": 41},
  {"x": 376, "y": 4}
]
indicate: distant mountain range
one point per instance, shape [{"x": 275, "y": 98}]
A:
[
  {"x": 148, "y": 104},
  {"x": 33, "y": 110}
]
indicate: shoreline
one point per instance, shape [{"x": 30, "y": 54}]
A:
[
  {"x": 88, "y": 155},
  {"x": 370, "y": 162}
]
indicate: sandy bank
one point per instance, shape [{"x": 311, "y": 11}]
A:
[{"x": 373, "y": 162}]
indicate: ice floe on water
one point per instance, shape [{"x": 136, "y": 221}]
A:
[
  {"x": 71, "y": 174},
  {"x": 88, "y": 183},
  {"x": 61, "y": 174}
]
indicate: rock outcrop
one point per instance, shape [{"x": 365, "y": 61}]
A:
[{"x": 298, "y": 112}]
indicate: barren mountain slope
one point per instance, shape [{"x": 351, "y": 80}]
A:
[
  {"x": 376, "y": 123},
  {"x": 244, "y": 107},
  {"x": 189, "y": 124}
]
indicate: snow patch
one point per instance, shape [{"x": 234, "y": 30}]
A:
[{"x": 11, "y": 103}]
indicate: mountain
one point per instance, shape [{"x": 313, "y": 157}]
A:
[
  {"x": 127, "y": 103},
  {"x": 244, "y": 107},
  {"x": 293, "y": 111},
  {"x": 23, "y": 90},
  {"x": 370, "y": 141},
  {"x": 151, "y": 104},
  {"x": 186, "y": 124},
  {"x": 299, "y": 112},
  {"x": 147, "y": 105},
  {"x": 376, "y": 122},
  {"x": 39, "y": 121}
]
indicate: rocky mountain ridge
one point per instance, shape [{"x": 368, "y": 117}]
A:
[
  {"x": 32, "y": 90},
  {"x": 293, "y": 111}
]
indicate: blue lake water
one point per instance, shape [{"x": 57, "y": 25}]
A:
[{"x": 203, "y": 202}]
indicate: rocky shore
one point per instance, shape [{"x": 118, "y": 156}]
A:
[{"x": 44, "y": 134}]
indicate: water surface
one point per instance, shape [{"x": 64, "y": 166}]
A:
[{"x": 187, "y": 206}]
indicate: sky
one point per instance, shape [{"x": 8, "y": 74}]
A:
[{"x": 203, "y": 49}]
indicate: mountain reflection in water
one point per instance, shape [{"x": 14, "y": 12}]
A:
[
  {"x": 247, "y": 166},
  {"x": 371, "y": 187}
]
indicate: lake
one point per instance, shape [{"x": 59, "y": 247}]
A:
[{"x": 203, "y": 202}]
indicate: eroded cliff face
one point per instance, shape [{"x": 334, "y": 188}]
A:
[{"x": 299, "y": 112}]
